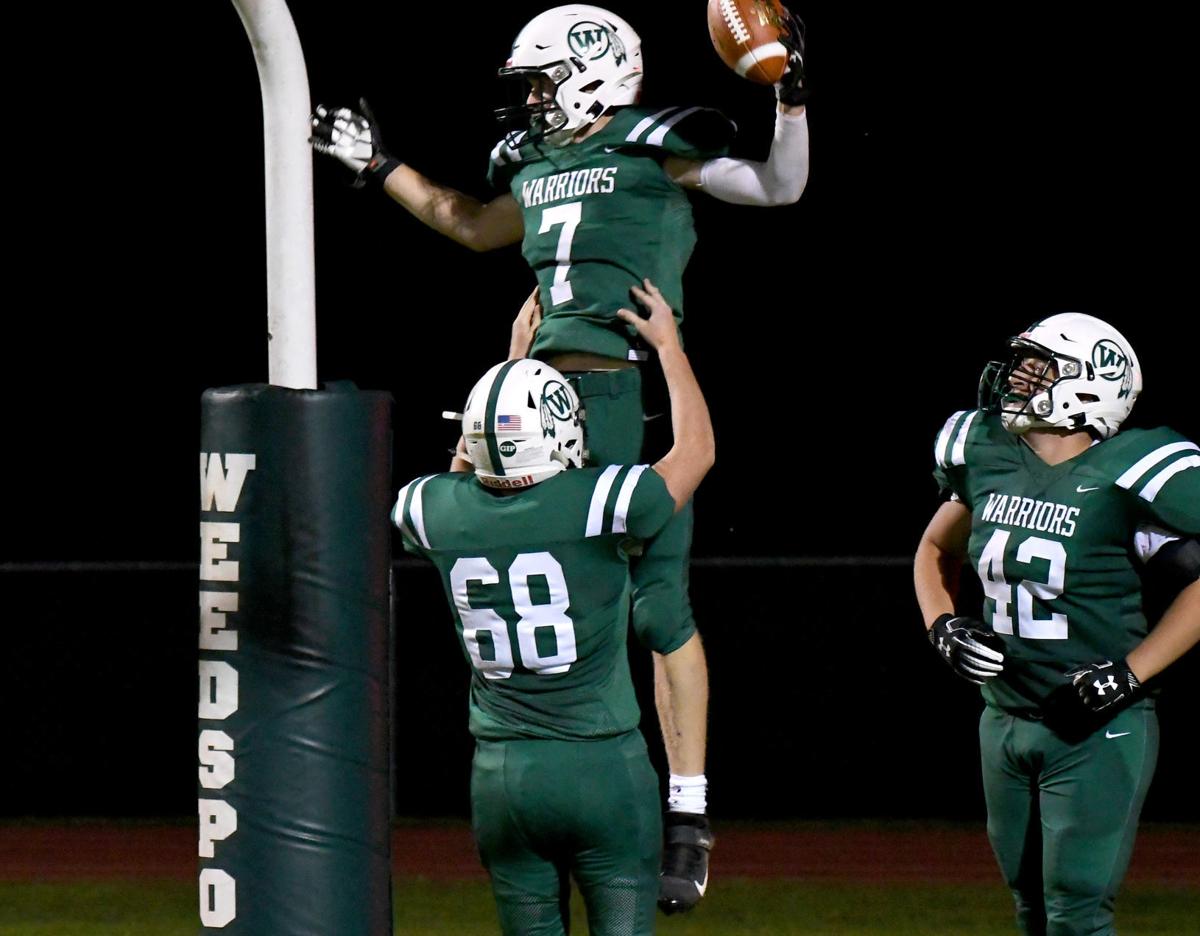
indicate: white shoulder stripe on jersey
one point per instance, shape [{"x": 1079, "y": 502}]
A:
[
  {"x": 646, "y": 123},
  {"x": 1148, "y": 540},
  {"x": 959, "y": 454},
  {"x": 1150, "y": 491},
  {"x": 621, "y": 511},
  {"x": 943, "y": 439},
  {"x": 595, "y": 520},
  {"x": 503, "y": 153},
  {"x": 1129, "y": 478},
  {"x": 656, "y": 138},
  {"x": 416, "y": 510},
  {"x": 398, "y": 510}
]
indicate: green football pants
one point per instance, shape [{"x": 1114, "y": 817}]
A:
[
  {"x": 1062, "y": 817},
  {"x": 615, "y": 433},
  {"x": 546, "y": 811}
]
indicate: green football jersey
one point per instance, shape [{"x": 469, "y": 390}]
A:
[
  {"x": 1054, "y": 545},
  {"x": 601, "y": 215},
  {"x": 538, "y": 584}
]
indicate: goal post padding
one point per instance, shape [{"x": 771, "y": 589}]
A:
[{"x": 294, "y": 671}]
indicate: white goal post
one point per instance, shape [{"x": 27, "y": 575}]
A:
[{"x": 291, "y": 291}]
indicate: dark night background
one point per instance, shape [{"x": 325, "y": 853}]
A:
[{"x": 973, "y": 168}]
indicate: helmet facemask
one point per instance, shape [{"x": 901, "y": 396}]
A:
[
  {"x": 524, "y": 121},
  {"x": 1021, "y": 389}
]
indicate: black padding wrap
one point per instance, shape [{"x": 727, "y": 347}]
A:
[
  {"x": 1178, "y": 562},
  {"x": 296, "y": 683}
]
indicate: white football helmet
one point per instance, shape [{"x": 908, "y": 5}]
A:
[
  {"x": 522, "y": 425},
  {"x": 1068, "y": 371},
  {"x": 592, "y": 57}
]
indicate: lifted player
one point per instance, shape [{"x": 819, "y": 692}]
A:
[
  {"x": 595, "y": 193},
  {"x": 1057, "y": 512},
  {"x": 533, "y": 559}
]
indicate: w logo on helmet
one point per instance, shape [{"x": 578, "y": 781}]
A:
[
  {"x": 556, "y": 406},
  {"x": 590, "y": 41},
  {"x": 1112, "y": 363},
  {"x": 1109, "y": 360}
]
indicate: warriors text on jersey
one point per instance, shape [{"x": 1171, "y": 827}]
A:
[
  {"x": 1054, "y": 545},
  {"x": 539, "y": 586},
  {"x": 601, "y": 215}
]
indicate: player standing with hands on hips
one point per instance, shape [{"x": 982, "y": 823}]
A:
[
  {"x": 533, "y": 550},
  {"x": 595, "y": 192},
  {"x": 1059, "y": 513}
]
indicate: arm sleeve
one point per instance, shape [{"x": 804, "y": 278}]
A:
[
  {"x": 687, "y": 132},
  {"x": 629, "y": 500},
  {"x": 411, "y": 530},
  {"x": 778, "y": 181},
  {"x": 950, "y": 455},
  {"x": 651, "y": 505},
  {"x": 1165, "y": 482}
]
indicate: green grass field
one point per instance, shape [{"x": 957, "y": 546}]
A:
[{"x": 744, "y": 907}]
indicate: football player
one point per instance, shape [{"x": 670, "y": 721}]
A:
[
  {"x": 1060, "y": 513},
  {"x": 532, "y": 549},
  {"x": 594, "y": 189}
]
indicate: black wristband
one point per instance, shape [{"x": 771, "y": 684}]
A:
[
  {"x": 378, "y": 169},
  {"x": 938, "y": 622}
]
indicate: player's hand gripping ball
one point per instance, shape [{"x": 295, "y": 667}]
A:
[{"x": 751, "y": 37}]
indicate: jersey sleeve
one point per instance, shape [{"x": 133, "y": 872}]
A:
[
  {"x": 950, "y": 455},
  {"x": 408, "y": 514},
  {"x": 689, "y": 132},
  {"x": 1163, "y": 477},
  {"x": 629, "y": 499}
]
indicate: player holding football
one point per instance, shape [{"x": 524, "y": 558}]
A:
[
  {"x": 1059, "y": 512},
  {"x": 534, "y": 562},
  {"x": 595, "y": 192}
]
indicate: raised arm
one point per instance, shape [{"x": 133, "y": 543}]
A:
[
  {"x": 781, "y": 179},
  {"x": 778, "y": 181},
  {"x": 355, "y": 140},
  {"x": 694, "y": 448}
]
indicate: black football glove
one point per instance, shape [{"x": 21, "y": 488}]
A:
[
  {"x": 687, "y": 840},
  {"x": 976, "y": 654},
  {"x": 354, "y": 139},
  {"x": 1105, "y": 684},
  {"x": 791, "y": 88}
]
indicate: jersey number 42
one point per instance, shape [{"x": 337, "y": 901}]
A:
[{"x": 996, "y": 587}]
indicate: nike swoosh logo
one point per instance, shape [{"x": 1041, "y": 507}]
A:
[
  {"x": 1079, "y": 489},
  {"x": 702, "y": 886},
  {"x": 611, "y": 149},
  {"x": 1119, "y": 734}
]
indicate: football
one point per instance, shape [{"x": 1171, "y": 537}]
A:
[{"x": 746, "y": 34}]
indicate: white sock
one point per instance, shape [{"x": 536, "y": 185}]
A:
[{"x": 687, "y": 794}]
